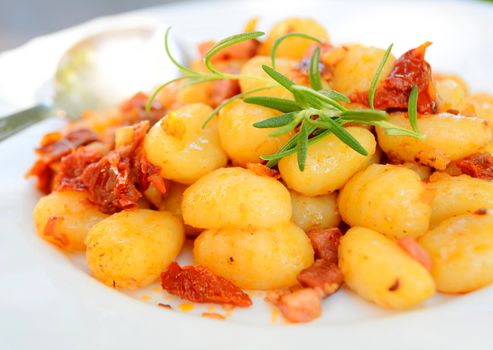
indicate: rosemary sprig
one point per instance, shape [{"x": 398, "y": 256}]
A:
[
  {"x": 376, "y": 77},
  {"x": 193, "y": 77},
  {"x": 312, "y": 114},
  {"x": 279, "y": 40},
  {"x": 412, "y": 108}
]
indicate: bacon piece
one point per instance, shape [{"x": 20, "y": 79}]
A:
[
  {"x": 325, "y": 242},
  {"x": 479, "y": 165},
  {"x": 52, "y": 230},
  {"x": 240, "y": 51},
  {"x": 223, "y": 90},
  {"x": 415, "y": 251},
  {"x": 262, "y": 170},
  {"x": 302, "y": 305},
  {"x": 200, "y": 285},
  {"x": 133, "y": 110},
  {"x": 323, "y": 275},
  {"x": 409, "y": 70}
]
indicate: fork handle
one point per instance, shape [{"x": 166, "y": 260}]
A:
[{"x": 13, "y": 123}]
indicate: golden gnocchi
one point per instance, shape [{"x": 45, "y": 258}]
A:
[
  {"x": 131, "y": 248},
  {"x": 330, "y": 163},
  {"x": 461, "y": 249},
  {"x": 182, "y": 148},
  {"x": 388, "y": 199},
  {"x": 378, "y": 270},
  {"x": 457, "y": 195},
  {"x": 447, "y": 137},
  {"x": 64, "y": 219},
  {"x": 255, "y": 258},
  {"x": 235, "y": 197}
]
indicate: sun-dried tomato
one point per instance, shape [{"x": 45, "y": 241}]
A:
[
  {"x": 116, "y": 181},
  {"x": 110, "y": 184},
  {"x": 73, "y": 165},
  {"x": 479, "y": 165},
  {"x": 133, "y": 110},
  {"x": 53, "y": 151},
  {"x": 53, "y": 147},
  {"x": 200, "y": 285},
  {"x": 52, "y": 231},
  {"x": 393, "y": 92}
]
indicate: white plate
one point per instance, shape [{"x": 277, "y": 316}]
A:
[{"x": 48, "y": 301}]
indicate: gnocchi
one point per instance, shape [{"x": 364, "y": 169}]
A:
[
  {"x": 329, "y": 164},
  {"x": 457, "y": 195},
  {"x": 131, "y": 248},
  {"x": 64, "y": 219},
  {"x": 461, "y": 249},
  {"x": 243, "y": 142},
  {"x": 447, "y": 137},
  {"x": 294, "y": 47},
  {"x": 255, "y": 258},
  {"x": 354, "y": 71},
  {"x": 378, "y": 270},
  {"x": 236, "y": 197},
  {"x": 182, "y": 148},
  {"x": 388, "y": 199},
  {"x": 318, "y": 212}
]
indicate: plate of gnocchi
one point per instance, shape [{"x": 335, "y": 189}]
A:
[{"x": 298, "y": 177}]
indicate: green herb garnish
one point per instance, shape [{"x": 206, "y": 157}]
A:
[
  {"x": 412, "y": 108},
  {"x": 311, "y": 115},
  {"x": 278, "y": 42},
  {"x": 376, "y": 77}
]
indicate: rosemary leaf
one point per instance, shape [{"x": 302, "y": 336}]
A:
[
  {"x": 284, "y": 37},
  {"x": 394, "y": 130},
  {"x": 279, "y": 78},
  {"x": 412, "y": 108},
  {"x": 276, "y": 122},
  {"x": 343, "y": 135},
  {"x": 286, "y": 128},
  {"x": 302, "y": 147},
  {"x": 318, "y": 96},
  {"x": 364, "y": 115},
  {"x": 335, "y": 95},
  {"x": 281, "y": 104},
  {"x": 151, "y": 99},
  {"x": 314, "y": 70},
  {"x": 376, "y": 77},
  {"x": 229, "y": 41},
  {"x": 181, "y": 67}
]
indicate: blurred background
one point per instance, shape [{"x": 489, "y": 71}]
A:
[{"x": 21, "y": 20}]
